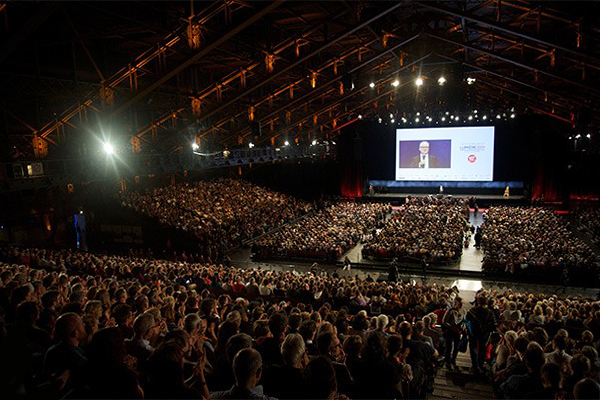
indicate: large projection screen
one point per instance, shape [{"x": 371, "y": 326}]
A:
[{"x": 445, "y": 154}]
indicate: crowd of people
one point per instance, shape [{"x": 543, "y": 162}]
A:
[
  {"x": 325, "y": 234},
  {"x": 218, "y": 213},
  {"x": 427, "y": 227},
  {"x": 534, "y": 240},
  {"x": 588, "y": 220},
  {"x": 78, "y": 325}
]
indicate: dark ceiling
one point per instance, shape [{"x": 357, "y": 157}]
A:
[{"x": 150, "y": 73}]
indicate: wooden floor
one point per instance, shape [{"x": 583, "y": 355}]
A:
[{"x": 460, "y": 383}]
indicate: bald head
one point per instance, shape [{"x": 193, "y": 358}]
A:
[{"x": 69, "y": 328}]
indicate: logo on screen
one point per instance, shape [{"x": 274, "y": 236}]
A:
[{"x": 472, "y": 158}]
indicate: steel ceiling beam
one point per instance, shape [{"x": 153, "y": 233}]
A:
[
  {"x": 517, "y": 81},
  {"x": 143, "y": 93},
  {"x": 355, "y": 92},
  {"x": 515, "y": 62},
  {"x": 301, "y": 60},
  {"x": 500, "y": 27},
  {"x": 320, "y": 88}
]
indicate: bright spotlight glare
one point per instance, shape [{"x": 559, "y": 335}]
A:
[
  {"x": 512, "y": 115},
  {"x": 441, "y": 81},
  {"x": 195, "y": 146},
  {"x": 484, "y": 117},
  {"x": 314, "y": 142},
  {"x": 372, "y": 85},
  {"x": 470, "y": 81},
  {"x": 417, "y": 119},
  {"x": 396, "y": 83},
  {"x": 359, "y": 116},
  {"x": 498, "y": 116},
  {"x": 419, "y": 81},
  {"x": 443, "y": 119},
  {"x": 470, "y": 117},
  {"x": 457, "y": 118},
  {"x": 108, "y": 148},
  {"x": 393, "y": 120},
  {"x": 250, "y": 145},
  {"x": 287, "y": 143},
  {"x": 589, "y": 136},
  {"x": 578, "y": 136}
]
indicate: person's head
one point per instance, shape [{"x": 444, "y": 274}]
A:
[
  {"x": 419, "y": 328},
  {"x": 193, "y": 324},
  {"x": 278, "y": 324},
  {"x": 247, "y": 368},
  {"x": 28, "y": 312},
  {"x": 107, "y": 347},
  {"x": 142, "y": 326},
  {"x": 122, "y": 314},
  {"x": 236, "y": 343},
  {"x": 375, "y": 346},
  {"x": 69, "y": 328},
  {"x": 394, "y": 345},
  {"x": 93, "y": 308},
  {"x": 458, "y": 302},
  {"x": 580, "y": 365},
  {"x": 329, "y": 345},
  {"x": 293, "y": 351},
  {"x": 405, "y": 330},
  {"x": 382, "y": 322},
  {"x": 424, "y": 147},
  {"x": 586, "y": 389},
  {"x": 534, "y": 357},
  {"x": 521, "y": 344},
  {"x": 551, "y": 375},
  {"x": 559, "y": 343},
  {"x": 308, "y": 329},
  {"x": 352, "y": 345},
  {"x": 320, "y": 378}
]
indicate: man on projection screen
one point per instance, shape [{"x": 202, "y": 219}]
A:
[{"x": 424, "y": 159}]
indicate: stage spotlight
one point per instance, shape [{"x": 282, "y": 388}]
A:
[
  {"x": 393, "y": 120},
  {"x": 359, "y": 116},
  {"x": 443, "y": 119},
  {"x": 578, "y": 136},
  {"x": 417, "y": 119},
  {"x": 457, "y": 118},
  {"x": 403, "y": 119},
  {"x": 286, "y": 143},
  {"x": 470, "y": 81},
  {"x": 512, "y": 116},
  {"x": 396, "y": 83},
  {"x": 589, "y": 136},
  {"x": 314, "y": 142},
  {"x": 250, "y": 145},
  {"x": 570, "y": 137},
  {"x": 441, "y": 81},
  {"x": 419, "y": 81},
  {"x": 498, "y": 116},
  {"x": 372, "y": 85},
  {"x": 391, "y": 115},
  {"x": 379, "y": 119},
  {"x": 195, "y": 146},
  {"x": 470, "y": 118},
  {"x": 474, "y": 111},
  {"x": 108, "y": 148},
  {"x": 447, "y": 112},
  {"x": 484, "y": 117}
]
